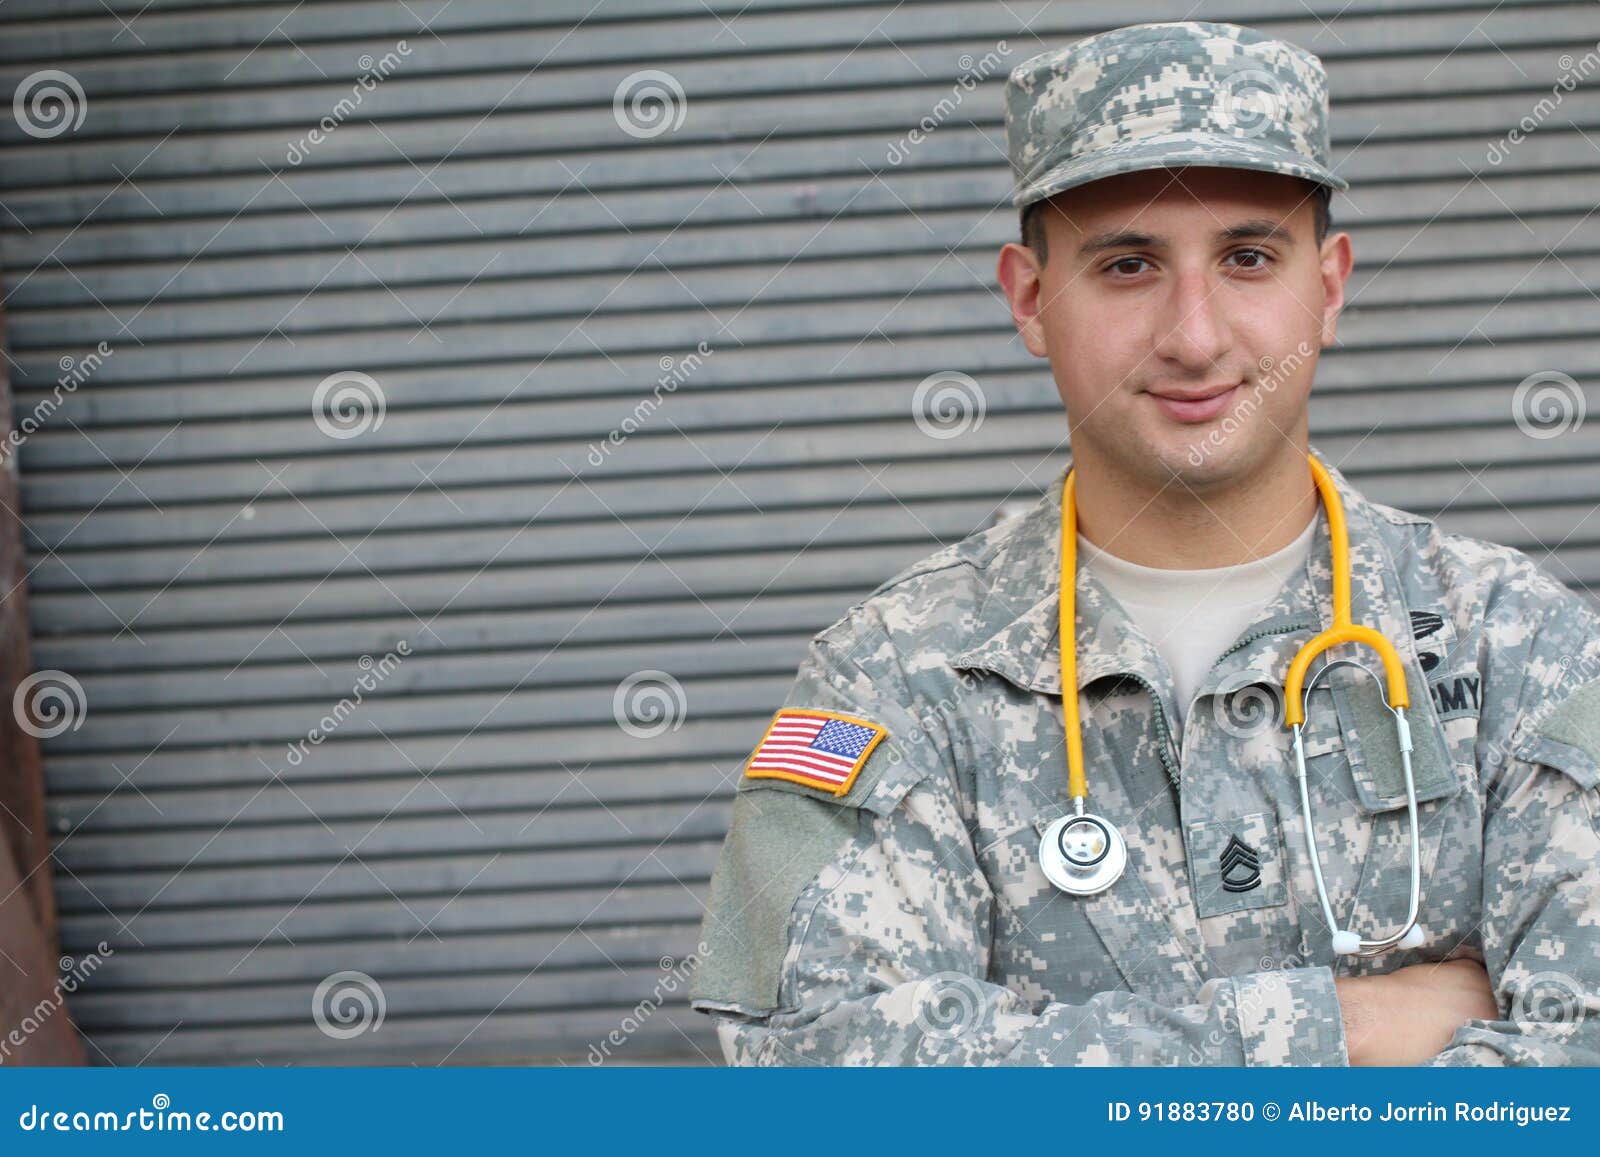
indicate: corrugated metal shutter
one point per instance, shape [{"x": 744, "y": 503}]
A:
[{"x": 481, "y": 238}]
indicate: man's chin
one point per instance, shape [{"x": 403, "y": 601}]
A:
[{"x": 1200, "y": 456}]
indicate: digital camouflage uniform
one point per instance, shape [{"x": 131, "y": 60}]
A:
[{"x": 909, "y": 922}]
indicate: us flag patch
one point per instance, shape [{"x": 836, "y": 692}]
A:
[{"x": 814, "y": 748}]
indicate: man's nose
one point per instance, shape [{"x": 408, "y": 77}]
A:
[{"x": 1193, "y": 331}]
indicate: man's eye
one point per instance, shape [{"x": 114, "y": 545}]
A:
[
  {"x": 1260, "y": 256},
  {"x": 1118, "y": 266}
]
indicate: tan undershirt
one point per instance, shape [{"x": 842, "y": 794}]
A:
[{"x": 1192, "y": 616}]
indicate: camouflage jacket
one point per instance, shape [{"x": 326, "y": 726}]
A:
[{"x": 907, "y": 921}]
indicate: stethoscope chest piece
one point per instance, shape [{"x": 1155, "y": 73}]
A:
[{"x": 1082, "y": 854}]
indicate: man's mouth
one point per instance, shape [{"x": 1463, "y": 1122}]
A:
[{"x": 1197, "y": 405}]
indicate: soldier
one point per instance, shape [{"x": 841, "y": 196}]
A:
[{"x": 896, "y": 888}]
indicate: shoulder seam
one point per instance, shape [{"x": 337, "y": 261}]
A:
[
  {"x": 1400, "y": 517},
  {"x": 901, "y": 579}
]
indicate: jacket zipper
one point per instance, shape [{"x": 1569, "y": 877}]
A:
[
  {"x": 1173, "y": 767},
  {"x": 1166, "y": 744}
]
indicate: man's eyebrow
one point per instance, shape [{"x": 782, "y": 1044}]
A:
[
  {"x": 1119, "y": 239},
  {"x": 1257, "y": 229}
]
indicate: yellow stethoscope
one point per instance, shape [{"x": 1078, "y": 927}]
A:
[{"x": 1084, "y": 854}]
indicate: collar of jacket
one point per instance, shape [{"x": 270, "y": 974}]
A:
[{"x": 1015, "y": 635}]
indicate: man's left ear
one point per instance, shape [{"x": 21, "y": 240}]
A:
[{"x": 1337, "y": 261}]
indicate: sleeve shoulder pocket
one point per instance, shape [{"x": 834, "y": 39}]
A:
[
  {"x": 1568, "y": 738},
  {"x": 798, "y": 809}
]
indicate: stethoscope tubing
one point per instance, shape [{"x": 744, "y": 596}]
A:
[{"x": 1296, "y": 703}]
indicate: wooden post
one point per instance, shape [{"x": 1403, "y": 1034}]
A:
[{"x": 32, "y": 1005}]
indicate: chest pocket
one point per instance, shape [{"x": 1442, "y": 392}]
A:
[
  {"x": 1235, "y": 864},
  {"x": 1237, "y": 830},
  {"x": 1372, "y": 747}
]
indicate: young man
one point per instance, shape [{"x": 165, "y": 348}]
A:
[{"x": 883, "y": 895}]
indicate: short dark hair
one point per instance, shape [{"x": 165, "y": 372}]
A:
[{"x": 1033, "y": 221}]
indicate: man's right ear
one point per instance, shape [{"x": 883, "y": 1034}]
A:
[{"x": 1019, "y": 274}]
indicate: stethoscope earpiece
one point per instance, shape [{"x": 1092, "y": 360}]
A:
[{"x": 1348, "y": 943}]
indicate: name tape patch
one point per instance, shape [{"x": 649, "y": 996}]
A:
[{"x": 820, "y": 749}]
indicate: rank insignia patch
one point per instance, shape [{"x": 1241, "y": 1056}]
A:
[{"x": 818, "y": 749}]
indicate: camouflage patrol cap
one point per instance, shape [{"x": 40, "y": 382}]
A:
[{"x": 1154, "y": 96}]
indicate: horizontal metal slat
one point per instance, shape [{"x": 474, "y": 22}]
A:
[
  {"x": 107, "y": 804},
  {"x": 518, "y": 990},
  {"x": 128, "y": 894},
  {"x": 507, "y": 1037},
  {"x": 240, "y": 926},
  {"x": 531, "y": 628},
  {"x": 719, "y": 739},
  {"x": 324, "y": 841},
  {"x": 419, "y": 955}
]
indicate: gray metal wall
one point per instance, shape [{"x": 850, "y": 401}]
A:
[{"x": 480, "y": 836}]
